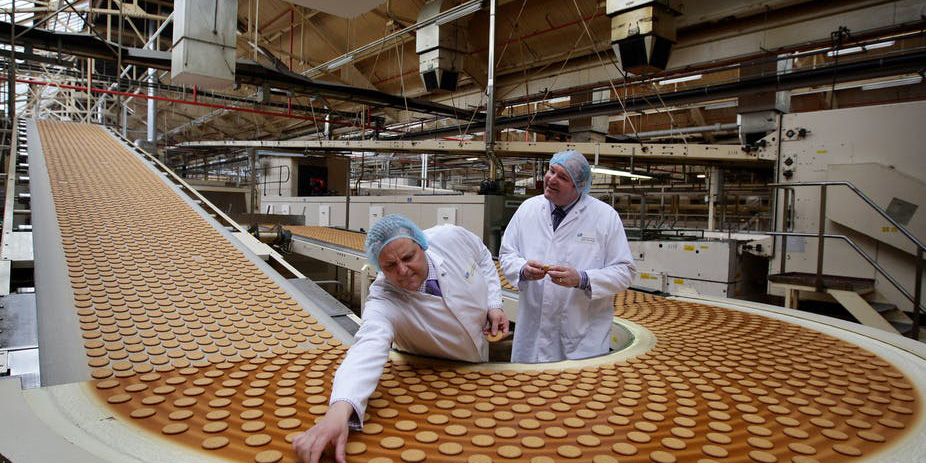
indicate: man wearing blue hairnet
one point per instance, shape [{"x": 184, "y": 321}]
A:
[
  {"x": 437, "y": 294},
  {"x": 568, "y": 255}
]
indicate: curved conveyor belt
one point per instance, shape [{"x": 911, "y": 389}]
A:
[{"x": 191, "y": 352}]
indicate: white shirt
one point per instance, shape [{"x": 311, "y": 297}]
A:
[
  {"x": 557, "y": 323},
  {"x": 419, "y": 323}
]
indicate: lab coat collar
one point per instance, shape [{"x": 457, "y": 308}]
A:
[{"x": 579, "y": 205}]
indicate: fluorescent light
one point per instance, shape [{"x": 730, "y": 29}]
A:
[
  {"x": 893, "y": 83},
  {"x": 618, "y": 173},
  {"x": 472, "y": 159},
  {"x": 873, "y": 46},
  {"x": 340, "y": 61},
  {"x": 701, "y": 176},
  {"x": 455, "y": 15},
  {"x": 859, "y": 49},
  {"x": 679, "y": 79},
  {"x": 725, "y": 104},
  {"x": 845, "y": 51}
]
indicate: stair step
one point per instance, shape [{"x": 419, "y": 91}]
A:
[
  {"x": 904, "y": 328},
  {"x": 843, "y": 283},
  {"x": 882, "y": 307}
]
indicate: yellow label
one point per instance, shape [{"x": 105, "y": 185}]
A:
[
  {"x": 689, "y": 247},
  {"x": 647, "y": 276},
  {"x": 704, "y": 246},
  {"x": 678, "y": 281},
  {"x": 822, "y": 151}
]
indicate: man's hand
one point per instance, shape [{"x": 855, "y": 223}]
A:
[
  {"x": 497, "y": 323},
  {"x": 533, "y": 270},
  {"x": 332, "y": 428},
  {"x": 564, "y": 276}
]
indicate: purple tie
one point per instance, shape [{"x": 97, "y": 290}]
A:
[
  {"x": 558, "y": 215},
  {"x": 433, "y": 288}
]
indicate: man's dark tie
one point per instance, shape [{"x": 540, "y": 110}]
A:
[
  {"x": 558, "y": 214},
  {"x": 433, "y": 288}
]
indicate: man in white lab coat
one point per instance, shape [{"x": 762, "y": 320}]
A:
[
  {"x": 568, "y": 255},
  {"x": 437, "y": 294}
]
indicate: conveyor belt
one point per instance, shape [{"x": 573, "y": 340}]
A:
[
  {"x": 354, "y": 240},
  {"x": 194, "y": 346}
]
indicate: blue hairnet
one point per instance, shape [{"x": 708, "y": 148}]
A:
[
  {"x": 577, "y": 166},
  {"x": 387, "y": 229}
]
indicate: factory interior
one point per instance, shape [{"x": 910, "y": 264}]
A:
[{"x": 188, "y": 187}]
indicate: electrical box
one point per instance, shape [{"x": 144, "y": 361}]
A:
[
  {"x": 324, "y": 215},
  {"x": 713, "y": 268},
  {"x": 447, "y": 215}
]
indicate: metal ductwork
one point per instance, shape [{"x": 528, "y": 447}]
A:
[
  {"x": 204, "y": 43},
  {"x": 642, "y": 34},
  {"x": 441, "y": 47}
]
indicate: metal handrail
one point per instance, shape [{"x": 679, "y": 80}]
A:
[
  {"x": 821, "y": 235},
  {"x": 864, "y": 197},
  {"x": 857, "y": 249},
  {"x": 265, "y": 175}
]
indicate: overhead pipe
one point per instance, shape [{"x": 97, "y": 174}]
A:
[
  {"x": 246, "y": 72},
  {"x": 178, "y": 101},
  {"x": 686, "y": 130},
  {"x": 875, "y": 67}
]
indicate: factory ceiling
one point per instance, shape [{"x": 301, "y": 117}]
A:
[{"x": 309, "y": 73}]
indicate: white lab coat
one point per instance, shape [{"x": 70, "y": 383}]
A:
[
  {"x": 555, "y": 323},
  {"x": 419, "y": 323}
]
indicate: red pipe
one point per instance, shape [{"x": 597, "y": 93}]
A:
[{"x": 174, "y": 100}]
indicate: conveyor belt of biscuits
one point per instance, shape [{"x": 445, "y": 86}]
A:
[{"x": 190, "y": 341}]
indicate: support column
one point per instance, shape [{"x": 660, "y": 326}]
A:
[{"x": 714, "y": 191}]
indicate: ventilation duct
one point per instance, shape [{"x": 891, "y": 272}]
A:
[
  {"x": 441, "y": 47},
  {"x": 642, "y": 34},
  {"x": 204, "y": 43}
]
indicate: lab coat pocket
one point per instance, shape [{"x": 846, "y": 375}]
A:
[{"x": 586, "y": 247}]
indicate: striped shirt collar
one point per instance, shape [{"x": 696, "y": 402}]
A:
[{"x": 432, "y": 273}]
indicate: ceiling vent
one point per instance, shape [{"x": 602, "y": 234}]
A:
[
  {"x": 204, "y": 43},
  {"x": 441, "y": 47},
  {"x": 642, "y": 34}
]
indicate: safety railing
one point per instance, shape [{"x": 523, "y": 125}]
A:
[
  {"x": 788, "y": 191},
  {"x": 265, "y": 175}
]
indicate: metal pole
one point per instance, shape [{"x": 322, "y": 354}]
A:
[
  {"x": 152, "y": 103},
  {"x": 252, "y": 155},
  {"x": 124, "y": 113},
  {"x": 917, "y": 294},
  {"x": 495, "y": 170},
  {"x": 12, "y": 82},
  {"x": 784, "y": 227},
  {"x": 819, "y": 279},
  {"x": 711, "y": 183}
]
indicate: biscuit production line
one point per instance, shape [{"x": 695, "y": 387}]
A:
[{"x": 163, "y": 338}]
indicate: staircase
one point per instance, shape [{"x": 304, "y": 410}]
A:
[{"x": 848, "y": 292}]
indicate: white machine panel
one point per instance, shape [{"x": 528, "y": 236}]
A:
[
  {"x": 447, "y": 215},
  {"x": 376, "y": 213},
  {"x": 708, "y": 267},
  {"x": 283, "y": 209},
  {"x": 324, "y": 215}
]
